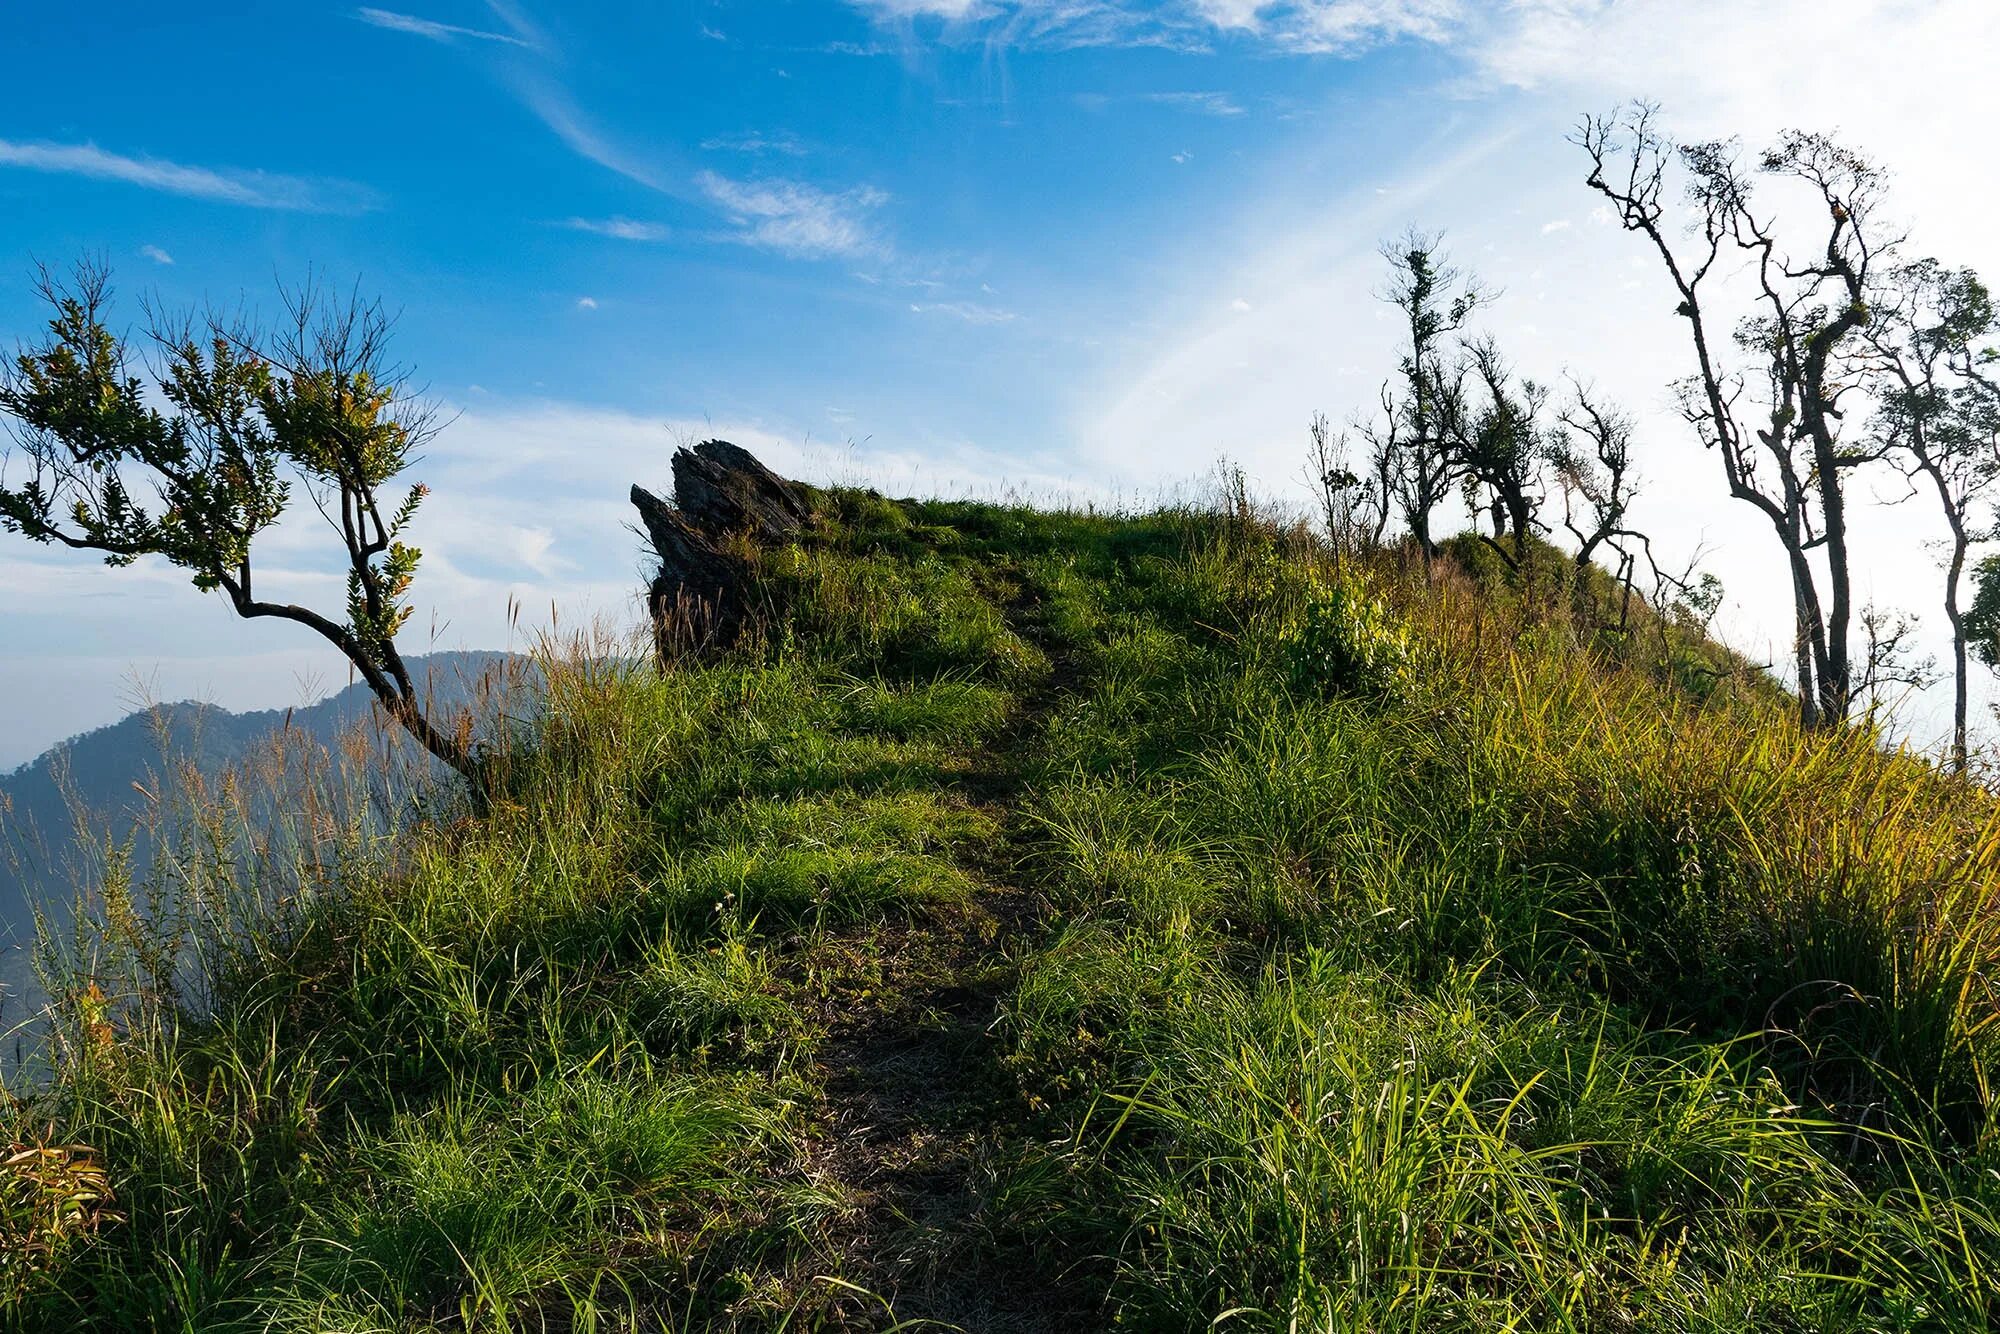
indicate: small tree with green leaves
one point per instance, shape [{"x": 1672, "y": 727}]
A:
[{"x": 193, "y": 467}]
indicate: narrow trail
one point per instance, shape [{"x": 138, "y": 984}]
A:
[{"x": 921, "y": 1111}]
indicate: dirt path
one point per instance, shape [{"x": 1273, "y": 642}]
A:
[{"x": 921, "y": 1111}]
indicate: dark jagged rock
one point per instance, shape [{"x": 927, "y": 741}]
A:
[
  {"x": 723, "y": 498},
  {"x": 722, "y": 488}
]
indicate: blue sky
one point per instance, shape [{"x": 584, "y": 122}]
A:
[
  {"x": 906, "y": 229},
  {"x": 1060, "y": 246}
]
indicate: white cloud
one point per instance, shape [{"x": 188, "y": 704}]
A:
[
  {"x": 586, "y": 303},
  {"x": 157, "y": 255},
  {"x": 1183, "y": 157},
  {"x": 436, "y": 32},
  {"x": 1555, "y": 225},
  {"x": 797, "y": 219},
  {"x": 1207, "y": 104},
  {"x": 621, "y": 229},
  {"x": 952, "y": 11},
  {"x": 251, "y": 189},
  {"x": 1301, "y": 26},
  {"x": 553, "y": 106},
  {"x": 1240, "y": 306}
]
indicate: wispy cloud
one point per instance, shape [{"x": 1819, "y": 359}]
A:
[
  {"x": 586, "y": 303},
  {"x": 430, "y": 28},
  {"x": 797, "y": 219},
  {"x": 251, "y": 189},
  {"x": 1206, "y": 104},
  {"x": 1303, "y": 26},
  {"x": 1200, "y": 103},
  {"x": 970, "y": 312},
  {"x": 621, "y": 229},
  {"x": 1339, "y": 26},
  {"x": 553, "y": 107},
  {"x": 157, "y": 255},
  {"x": 952, "y": 11},
  {"x": 754, "y": 142}
]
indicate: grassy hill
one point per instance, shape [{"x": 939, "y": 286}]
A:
[{"x": 1056, "y": 921}]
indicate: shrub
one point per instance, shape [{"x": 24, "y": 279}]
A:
[{"x": 1344, "y": 639}]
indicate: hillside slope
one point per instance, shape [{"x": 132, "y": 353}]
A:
[{"x": 1060, "y": 922}]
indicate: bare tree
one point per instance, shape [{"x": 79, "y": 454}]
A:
[
  {"x": 1801, "y": 345},
  {"x": 1590, "y": 455},
  {"x": 1891, "y": 661},
  {"x": 1939, "y": 418},
  {"x": 1350, "y": 506},
  {"x": 317, "y": 405}
]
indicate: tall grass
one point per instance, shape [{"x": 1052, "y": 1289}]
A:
[{"x": 1485, "y": 976}]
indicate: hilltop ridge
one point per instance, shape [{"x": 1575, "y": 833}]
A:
[{"x": 1063, "y": 920}]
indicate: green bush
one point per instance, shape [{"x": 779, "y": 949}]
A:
[{"x": 1344, "y": 639}]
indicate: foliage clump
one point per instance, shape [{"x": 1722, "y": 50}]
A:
[{"x": 1345, "y": 638}]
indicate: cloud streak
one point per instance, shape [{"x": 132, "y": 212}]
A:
[
  {"x": 621, "y": 229},
  {"x": 431, "y": 29},
  {"x": 248, "y": 189},
  {"x": 1199, "y": 103},
  {"x": 968, "y": 312},
  {"x": 754, "y": 142}
]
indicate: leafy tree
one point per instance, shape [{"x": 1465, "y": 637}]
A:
[
  {"x": 194, "y": 466},
  {"x": 1417, "y": 445},
  {"x": 1502, "y": 449},
  {"x": 1939, "y": 417},
  {"x": 1982, "y": 618},
  {"x": 1777, "y": 425}
]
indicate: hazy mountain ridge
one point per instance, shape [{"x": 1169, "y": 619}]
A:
[{"x": 106, "y": 773}]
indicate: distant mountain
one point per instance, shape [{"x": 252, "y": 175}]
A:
[{"x": 107, "y": 776}]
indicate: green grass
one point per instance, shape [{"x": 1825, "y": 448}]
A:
[{"x": 1331, "y": 948}]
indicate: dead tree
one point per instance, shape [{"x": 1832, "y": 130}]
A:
[
  {"x": 1591, "y": 457},
  {"x": 1781, "y": 444},
  {"x": 1349, "y": 505}
]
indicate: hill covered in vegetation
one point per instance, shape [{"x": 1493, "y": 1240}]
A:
[{"x": 1058, "y": 921}]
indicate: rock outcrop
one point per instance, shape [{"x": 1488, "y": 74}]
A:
[{"x": 725, "y": 501}]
